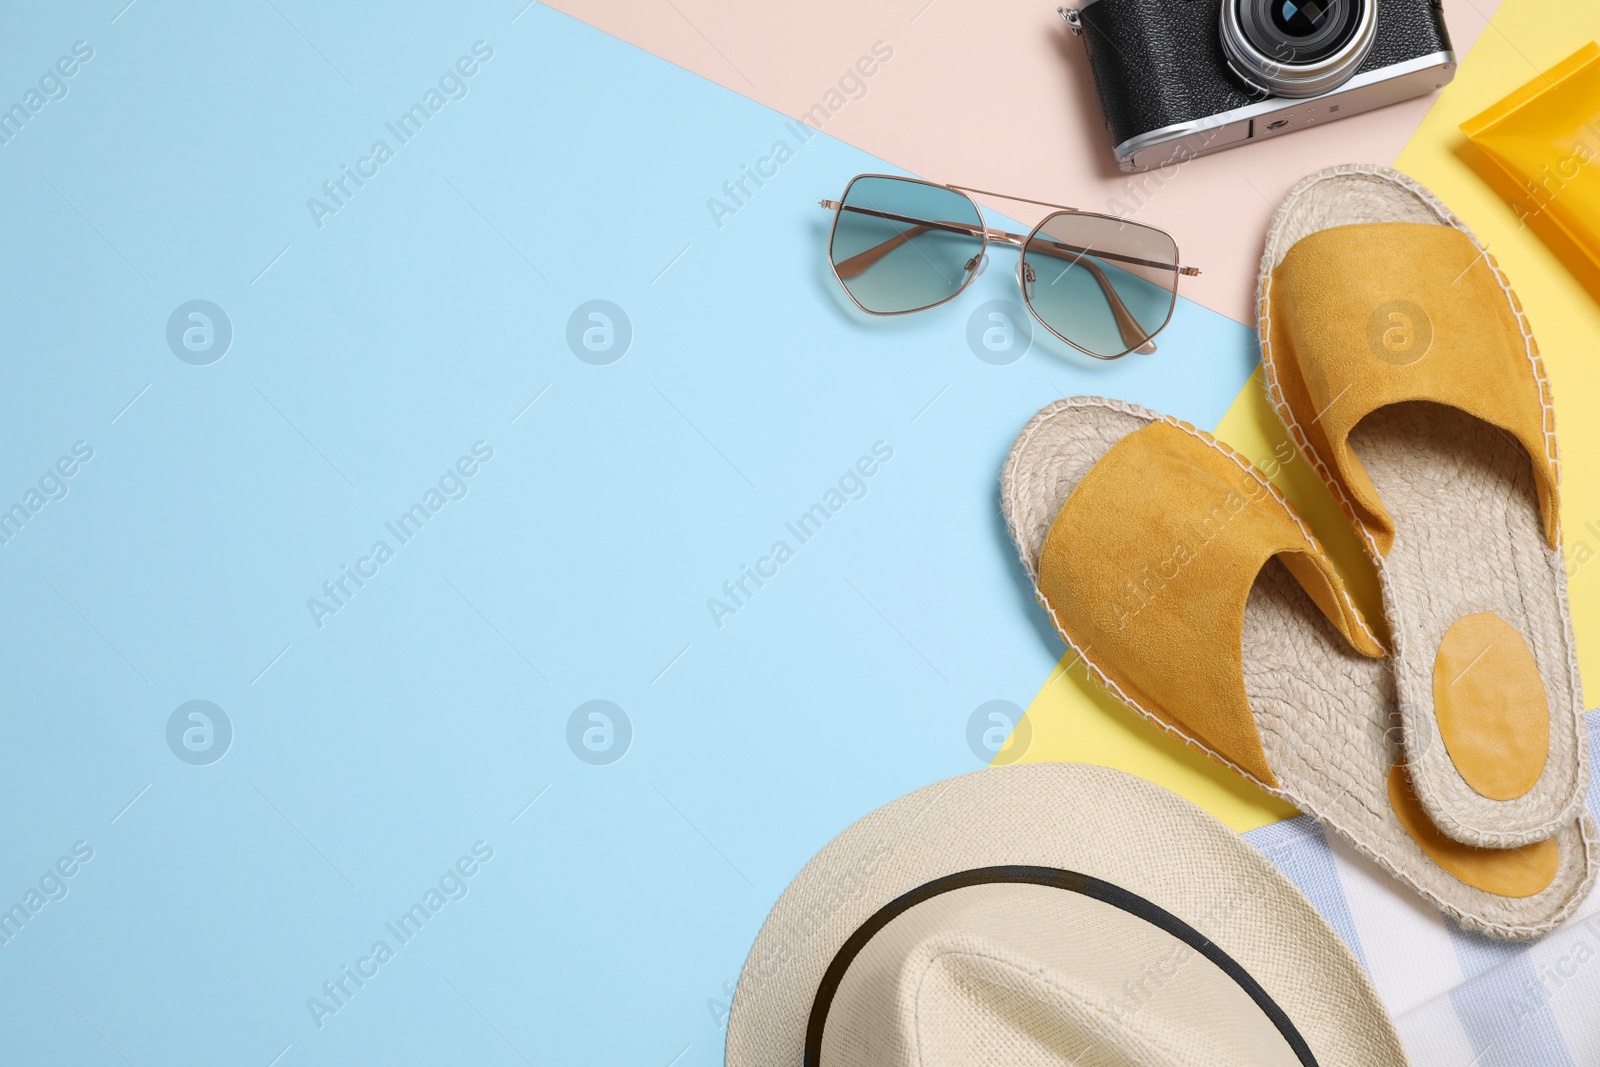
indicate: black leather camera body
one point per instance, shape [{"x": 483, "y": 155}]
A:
[{"x": 1181, "y": 78}]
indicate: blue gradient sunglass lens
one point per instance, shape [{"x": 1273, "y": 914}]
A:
[
  {"x": 901, "y": 245},
  {"x": 1101, "y": 284}
]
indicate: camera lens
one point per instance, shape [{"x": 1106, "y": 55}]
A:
[
  {"x": 1297, "y": 48},
  {"x": 1299, "y": 31},
  {"x": 1300, "y": 20}
]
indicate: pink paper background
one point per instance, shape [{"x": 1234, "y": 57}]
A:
[{"x": 999, "y": 96}]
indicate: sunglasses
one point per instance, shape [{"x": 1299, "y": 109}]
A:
[{"x": 1102, "y": 284}]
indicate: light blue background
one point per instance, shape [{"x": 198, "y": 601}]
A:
[{"x": 372, "y": 354}]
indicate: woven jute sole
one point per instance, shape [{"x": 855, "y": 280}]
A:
[
  {"x": 1327, "y": 715},
  {"x": 1468, "y": 536}
]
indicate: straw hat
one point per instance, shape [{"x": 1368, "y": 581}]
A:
[{"x": 1049, "y": 914}]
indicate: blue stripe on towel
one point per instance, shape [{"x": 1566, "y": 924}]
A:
[
  {"x": 1503, "y": 1004},
  {"x": 1506, "y": 1017}
]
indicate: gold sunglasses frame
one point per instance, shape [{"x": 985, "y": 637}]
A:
[{"x": 1020, "y": 241}]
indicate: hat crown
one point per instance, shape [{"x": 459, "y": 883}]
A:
[
  {"x": 1030, "y": 975},
  {"x": 967, "y": 999}
]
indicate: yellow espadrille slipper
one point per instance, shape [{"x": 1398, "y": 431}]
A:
[
  {"x": 1194, "y": 592},
  {"x": 1402, "y": 363}
]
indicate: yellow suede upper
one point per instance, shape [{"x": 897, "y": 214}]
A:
[
  {"x": 1389, "y": 312},
  {"x": 1147, "y": 568}
]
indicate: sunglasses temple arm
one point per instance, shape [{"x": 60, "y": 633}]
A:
[
  {"x": 1054, "y": 248},
  {"x": 858, "y": 263},
  {"x": 1133, "y": 335},
  {"x": 1065, "y": 251}
]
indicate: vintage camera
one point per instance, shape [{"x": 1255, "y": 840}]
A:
[{"x": 1181, "y": 78}]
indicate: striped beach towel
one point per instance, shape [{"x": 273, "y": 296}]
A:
[{"x": 1459, "y": 999}]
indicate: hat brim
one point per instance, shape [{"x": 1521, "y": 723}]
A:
[{"x": 1097, "y": 822}]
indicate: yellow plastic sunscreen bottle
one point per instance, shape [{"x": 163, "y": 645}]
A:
[{"x": 1546, "y": 138}]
